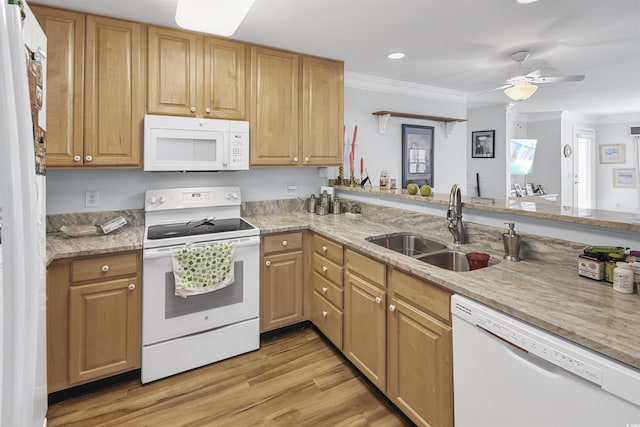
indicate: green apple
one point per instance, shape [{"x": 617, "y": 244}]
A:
[
  {"x": 412, "y": 188},
  {"x": 425, "y": 190}
]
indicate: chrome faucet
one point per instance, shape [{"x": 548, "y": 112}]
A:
[{"x": 454, "y": 215}]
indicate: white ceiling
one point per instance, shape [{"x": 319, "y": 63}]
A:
[{"x": 461, "y": 45}]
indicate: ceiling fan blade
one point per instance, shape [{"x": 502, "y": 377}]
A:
[
  {"x": 504, "y": 86},
  {"x": 556, "y": 79},
  {"x": 535, "y": 73}
]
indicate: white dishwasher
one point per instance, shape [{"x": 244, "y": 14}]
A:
[{"x": 510, "y": 373}]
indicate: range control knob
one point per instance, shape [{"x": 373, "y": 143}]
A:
[
  {"x": 235, "y": 195},
  {"x": 227, "y": 196},
  {"x": 161, "y": 199},
  {"x": 153, "y": 199}
]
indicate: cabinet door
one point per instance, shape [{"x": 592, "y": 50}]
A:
[
  {"x": 65, "y": 84},
  {"x": 224, "y": 79},
  {"x": 281, "y": 290},
  {"x": 322, "y": 111},
  {"x": 173, "y": 59},
  {"x": 274, "y": 107},
  {"x": 420, "y": 368},
  {"x": 104, "y": 329},
  {"x": 364, "y": 328},
  {"x": 114, "y": 92}
]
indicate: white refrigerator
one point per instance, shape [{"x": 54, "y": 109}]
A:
[{"x": 23, "y": 385}]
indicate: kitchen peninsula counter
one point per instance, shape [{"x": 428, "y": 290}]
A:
[{"x": 544, "y": 290}]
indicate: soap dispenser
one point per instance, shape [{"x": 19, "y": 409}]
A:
[{"x": 511, "y": 242}]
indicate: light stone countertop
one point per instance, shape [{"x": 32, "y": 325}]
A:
[{"x": 546, "y": 293}]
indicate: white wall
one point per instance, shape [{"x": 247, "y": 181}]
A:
[
  {"x": 365, "y": 95},
  {"x": 546, "y": 165},
  {"x": 615, "y": 130},
  {"x": 492, "y": 171},
  {"x": 124, "y": 189}
]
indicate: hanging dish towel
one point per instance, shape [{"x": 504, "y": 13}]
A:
[{"x": 201, "y": 269}]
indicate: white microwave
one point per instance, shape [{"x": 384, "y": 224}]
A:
[{"x": 193, "y": 144}]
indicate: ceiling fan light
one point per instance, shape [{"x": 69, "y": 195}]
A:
[
  {"x": 220, "y": 17},
  {"x": 520, "y": 92}
]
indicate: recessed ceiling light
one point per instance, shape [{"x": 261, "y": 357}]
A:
[
  {"x": 526, "y": 1},
  {"x": 221, "y": 17},
  {"x": 395, "y": 55}
]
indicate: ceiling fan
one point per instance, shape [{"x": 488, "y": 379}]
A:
[{"x": 524, "y": 86}]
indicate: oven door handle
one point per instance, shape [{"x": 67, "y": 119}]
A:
[{"x": 166, "y": 251}]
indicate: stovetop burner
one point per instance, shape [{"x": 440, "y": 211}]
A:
[{"x": 197, "y": 227}]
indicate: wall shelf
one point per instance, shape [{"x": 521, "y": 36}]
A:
[{"x": 383, "y": 118}]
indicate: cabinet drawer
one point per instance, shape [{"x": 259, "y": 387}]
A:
[
  {"x": 327, "y": 318},
  {"x": 104, "y": 267},
  {"x": 328, "y": 290},
  {"x": 328, "y": 249},
  {"x": 421, "y": 293},
  {"x": 327, "y": 269},
  {"x": 281, "y": 242},
  {"x": 373, "y": 271}
]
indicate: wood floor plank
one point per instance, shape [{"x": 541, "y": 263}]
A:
[{"x": 293, "y": 380}]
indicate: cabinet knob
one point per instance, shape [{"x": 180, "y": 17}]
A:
[
  {"x": 268, "y": 263},
  {"x": 392, "y": 307},
  {"x": 77, "y": 158},
  {"x": 132, "y": 287},
  {"x": 324, "y": 290},
  {"x": 306, "y": 159},
  {"x": 324, "y": 313},
  {"x": 295, "y": 159},
  {"x": 105, "y": 268},
  {"x": 285, "y": 243},
  {"x": 379, "y": 300},
  {"x": 207, "y": 110},
  {"x": 88, "y": 158},
  {"x": 325, "y": 249},
  {"x": 192, "y": 109},
  {"x": 324, "y": 268}
]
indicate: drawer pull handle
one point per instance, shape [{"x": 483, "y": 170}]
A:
[
  {"x": 132, "y": 287},
  {"x": 324, "y": 268},
  {"x": 379, "y": 300},
  {"x": 324, "y": 290},
  {"x": 325, "y": 249},
  {"x": 268, "y": 263},
  {"x": 392, "y": 308},
  {"x": 285, "y": 243},
  {"x": 105, "y": 268},
  {"x": 324, "y": 313}
]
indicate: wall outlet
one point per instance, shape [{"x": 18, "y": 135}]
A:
[
  {"x": 91, "y": 198},
  {"x": 291, "y": 188}
]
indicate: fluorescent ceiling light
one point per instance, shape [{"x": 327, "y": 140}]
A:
[
  {"x": 395, "y": 55},
  {"x": 221, "y": 17},
  {"x": 520, "y": 91}
]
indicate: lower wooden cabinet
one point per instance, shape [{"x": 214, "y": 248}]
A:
[
  {"x": 93, "y": 318},
  {"x": 419, "y": 352},
  {"x": 365, "y": 316},
  {"x": 281, "y": 293}
]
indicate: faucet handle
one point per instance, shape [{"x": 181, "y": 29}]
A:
[{"x": 450, "y": 216}]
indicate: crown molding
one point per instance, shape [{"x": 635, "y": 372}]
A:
[{"x": 397, "y": 87}]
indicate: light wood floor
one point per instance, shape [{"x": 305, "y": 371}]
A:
[{"x": 294, "y": 380}]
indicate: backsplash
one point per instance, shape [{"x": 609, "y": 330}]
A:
[{"x": 134, "y": 217}]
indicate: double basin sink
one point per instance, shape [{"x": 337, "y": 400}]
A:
[{"x": 422, "y": 249}]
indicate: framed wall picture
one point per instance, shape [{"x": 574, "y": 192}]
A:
[
  {"x": 624, "y": 178},
  {"x": 483, "y": 144},
  {"x": 612, "y": 153},
  {"x": 417, "y": 155}
]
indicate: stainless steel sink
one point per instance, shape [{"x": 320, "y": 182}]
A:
[
  {"x": 407, "y": 243},
  {"x": 450, "y": 260}
]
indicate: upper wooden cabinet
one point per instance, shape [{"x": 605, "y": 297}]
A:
[
  {"x": 274, "y": 107},
  {"x": 194, "y": 75},
  {"x": 297, "y": 109},
  {"x": 322, "y": 111},
  {"x": 95, "y": 89}
]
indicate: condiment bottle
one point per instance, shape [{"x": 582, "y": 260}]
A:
[
  {"x": 384, "y": 179},
  {"x": 610, "y": 266},
  {"x": 623, "y": 278}
]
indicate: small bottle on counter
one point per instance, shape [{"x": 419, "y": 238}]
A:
[
  {"x": 384, "y": 180},
  {"x": 610, "y": 266},
  {"x": 623, "y": 278}
]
